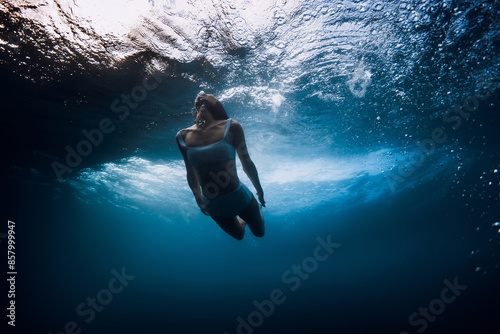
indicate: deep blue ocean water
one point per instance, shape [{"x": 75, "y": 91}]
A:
[{"x": 373, "y": 125}]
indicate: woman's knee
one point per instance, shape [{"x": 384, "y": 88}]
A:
[
  {"x": 238, "y": 234},
  {"x": 259, "y": 233}
]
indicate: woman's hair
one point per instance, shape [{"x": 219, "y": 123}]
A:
[{"x": 213, "y": 106}]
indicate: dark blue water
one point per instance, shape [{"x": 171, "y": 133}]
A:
[{"x": 373, "y": 125}]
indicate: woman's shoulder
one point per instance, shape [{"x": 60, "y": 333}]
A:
[
  {"x": 183, "y": 132},
  {"x": 236, "y": 133},
  {"x": 235, "y": 125},
  {"x": 234, "y": 122}
]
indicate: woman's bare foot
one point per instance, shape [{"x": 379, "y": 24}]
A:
[{"x": 242, "y": 222}]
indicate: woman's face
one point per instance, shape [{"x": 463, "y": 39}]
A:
[
  {"x": 204, "y": 100},
  {"x": 199, "y": 101}
]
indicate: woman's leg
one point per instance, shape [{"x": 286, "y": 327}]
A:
[
  {"x": 231, "y": 226},
  {"x": 252, "y": 215}
]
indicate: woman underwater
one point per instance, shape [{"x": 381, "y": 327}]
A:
[{"x": 208, "y": 148}]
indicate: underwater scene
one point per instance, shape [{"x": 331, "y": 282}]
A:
[{"x": 374, "y": 127}]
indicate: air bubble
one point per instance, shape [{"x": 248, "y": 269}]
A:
[
  {"x": 307, "y": 16},
  {"x": 280, "y": 45},
  {"x": 240, "y": 28},
  {"x": 323, "y": 10},
  {"x": 279, "y": 16},
  {"x": 360, "y": 81}
]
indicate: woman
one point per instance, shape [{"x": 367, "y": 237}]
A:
[{"x": 208, "y": 148}]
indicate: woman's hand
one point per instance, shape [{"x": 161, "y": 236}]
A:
[
  {"x": 202, "y": 208},
  {"x": 199, "y": 201},
  {"x": 260, "y": 195}
]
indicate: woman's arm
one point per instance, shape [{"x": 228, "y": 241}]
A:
[
  {"x": 247, "y": 163},
  {"x": 192, "y": 179}
]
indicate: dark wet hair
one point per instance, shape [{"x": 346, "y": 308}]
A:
[{"x": 213, "y": 106}]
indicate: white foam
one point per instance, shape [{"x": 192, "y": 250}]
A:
[{"x": 290, "y": 184}]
